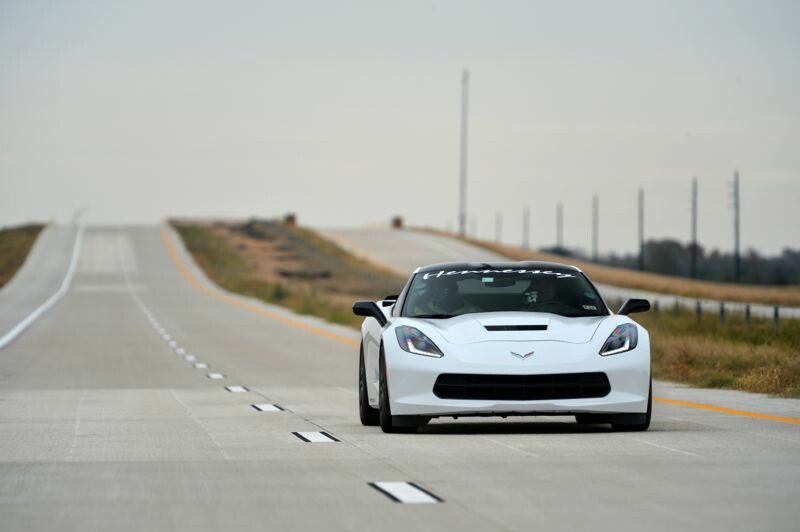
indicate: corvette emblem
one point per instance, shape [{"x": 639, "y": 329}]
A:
[{"x": 518, "y": 355}]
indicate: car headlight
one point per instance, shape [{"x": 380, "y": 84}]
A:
[
  {"x": 622, "y": 339},
  {"x": 414, "y": 341}
]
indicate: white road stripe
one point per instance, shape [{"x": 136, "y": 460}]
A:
[
  {"x": 190, "y": 358},
  {"x": 216, "y": 376},
  {"x": 180, "y": 350},
  {"x": 315, "y": 437},
  {"x": 237, "y": 389},
  {"x": 201, "y": 365},
  {"x": 173, "y": 343},
  {"x": 52, "y": 300},
  {"x": 406, "y": 492},
  {"x": 266, "y": 407}
]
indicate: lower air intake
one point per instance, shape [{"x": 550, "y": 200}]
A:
[{"x": 521, "y": 387}]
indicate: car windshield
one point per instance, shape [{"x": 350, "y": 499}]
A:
[{"x": 445, "y": 294}]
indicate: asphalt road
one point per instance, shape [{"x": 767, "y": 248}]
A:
[{"x": 104, "y": 425}]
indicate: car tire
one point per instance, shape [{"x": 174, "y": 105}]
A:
[
  {"x": 370, "y": 417},
  {"x": 635, "y": 422},
  {"x": 386, "y": 418}
]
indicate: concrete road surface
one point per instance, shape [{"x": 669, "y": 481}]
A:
[
  {"x": 404, "y": 250},
  {"x": 105, "y": 424}
]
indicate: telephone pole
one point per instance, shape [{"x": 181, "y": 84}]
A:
[
  {"x": 498, "y": 227},
  {"x": 462, "y": 204},
  {"x": 595, "y": 226},
  {"x": 736, "y": 258},
  {"x": 526, "y": 228},
  {"x": 641, "y": 229},
  {"x": 560, "y": 226},
  {"x": 693, "y": 251}
]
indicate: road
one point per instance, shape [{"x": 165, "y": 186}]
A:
[
  {"x": 104, "y": 425},
  {"x": 402, "y": 251}
]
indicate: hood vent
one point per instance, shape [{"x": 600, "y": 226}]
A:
[{"x": 516, "y": 327}]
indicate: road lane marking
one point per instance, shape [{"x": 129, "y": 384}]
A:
[
  {"x": 183, "y": 269},
  {"x": 190, "y": 358},
  {"x": 180, "y": 350},
  {"x": 215, "y": 376},
  {"x": 724, "y": 410},
  {"x": 315, "y": 437},
  {"x": 197, "y": 285},
  {"x": 53, "y": 299},
  {"x": 237, "y": 389},
  {"x": 406, "y": 492},
  {"x": 201, "y": 365},
  {"x": 266, "y": 407},
  {"x": 666, "y": 448}
]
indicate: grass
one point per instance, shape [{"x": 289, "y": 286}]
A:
[
  {"x": 753, "y": 358},
  {"x": 654, "y": 282},
  {"x": 331, "y": 278},
  {"x": 15, "y": 243}
]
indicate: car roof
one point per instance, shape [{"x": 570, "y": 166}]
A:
[{"x": 520, "y": 265}]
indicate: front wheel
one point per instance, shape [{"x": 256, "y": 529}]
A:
[
  {"x": 387, "y": 420},
  {"x": 369, "y": 416},
  {"x": 635, "y": 422}
]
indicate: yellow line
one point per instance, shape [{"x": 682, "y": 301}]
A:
[
  {"x": 184, "y": 271},
  {"x": 726, "y": 410}
]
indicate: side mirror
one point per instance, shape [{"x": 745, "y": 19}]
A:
[
  {"x": 388, "y": 301},
  {"x": 369, "y": 309},
  {"x": 634, "y": 305}
]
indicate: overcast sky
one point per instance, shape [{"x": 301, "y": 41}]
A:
[{"x": 348, "y": 113}]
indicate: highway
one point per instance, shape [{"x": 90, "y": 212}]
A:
[{"x": 109, "y": 420}]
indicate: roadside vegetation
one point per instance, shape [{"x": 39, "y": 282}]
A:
[
  {"x": 298, "y": 269},
  {"x": 286, "y": 265},
  {"x": 15, "y": 243},
  {"x": 654, "y": 282}
]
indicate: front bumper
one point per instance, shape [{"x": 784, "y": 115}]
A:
[{"x": 412, "y": 377}]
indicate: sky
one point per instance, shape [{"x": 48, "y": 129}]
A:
[{"x": 347, "y": 113}]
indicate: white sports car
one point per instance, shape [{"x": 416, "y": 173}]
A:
[{"x": 502, "y": 339}]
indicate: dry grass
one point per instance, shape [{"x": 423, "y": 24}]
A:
[
  {"x": 289, "y": 266},
  {"x": 15, "y": 243},
  {"x": 653, "y": 282},
  {"x": 749, "y": 357}
]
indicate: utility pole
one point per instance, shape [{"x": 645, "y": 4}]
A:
[
  {"x": 498, "y": 227},
  {"x": 560, "y": 226},
  {"x": 641, "y": 229},
  {"x": 595, "y": 226},
  {"x": 693, "y": 251},
  {"x": 736, "y": 258},
  {"x": 526, "y": 228},
  {"x": 462, "y": 204}
]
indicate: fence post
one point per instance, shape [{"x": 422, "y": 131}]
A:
[
  {"x": 698, "y": 311},
  {"x": 655, "y": 306},
  {"x": 747, "y": 314},
  {"x": 722, "y": 313},
  {"x": 775, "y": 317}
]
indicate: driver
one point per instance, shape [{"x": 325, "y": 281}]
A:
[
  {"x": 540, "y": 292},
  {"x": 443, "y": 298}
]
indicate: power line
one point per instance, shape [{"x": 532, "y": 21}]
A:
[{"x": 462, "y": 205}]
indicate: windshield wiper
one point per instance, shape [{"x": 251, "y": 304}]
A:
[{"x": 434, "y": 316}]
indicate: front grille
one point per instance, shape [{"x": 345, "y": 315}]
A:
[{"x": 521, "y": 387}]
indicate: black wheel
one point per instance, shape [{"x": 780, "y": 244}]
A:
[
  {"x": 369, "y": 416},
  {"x": 635, "y": 422},
  {"x": 387, "y": 420}
]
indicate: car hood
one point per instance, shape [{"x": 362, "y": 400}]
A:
[{"x": 509, "y": 327}]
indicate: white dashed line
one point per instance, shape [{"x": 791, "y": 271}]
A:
[
  {"x": 406, "y": 492},
  {"x": 236, "y": 389},
  {"x": 173, "y": 343},
  {"x": 190, "y": 358},
  {"x": 266, "y": 407},
  {"x": 315, "y": 437},
  {"x": 216, "y": 376},
  {"x": 180, "y": 350},
  {"x": 201, "y": 365}
]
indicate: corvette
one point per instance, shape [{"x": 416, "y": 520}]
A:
[{"x": 502, "y": 339}]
